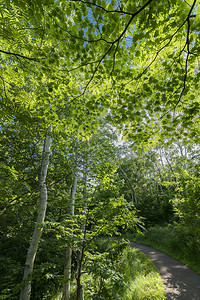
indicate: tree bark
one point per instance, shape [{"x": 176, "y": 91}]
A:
[
  {"x": 68, "y": 255},
  {"x": 161, "y": 159},
  {"x": 168, "y": 162},
  {"x": 67, "y": 274},
  {"x": 31, "y": 254},
  {"x": 80, "y": 256},
  {"x": 80, "y": 292},
  {"x": 182, "y": 155},
  {"x": 132, "y": 190}
]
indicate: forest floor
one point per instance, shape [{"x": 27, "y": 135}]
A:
[{"x": 180, "y": 282}]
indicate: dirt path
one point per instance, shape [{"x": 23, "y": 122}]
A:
[{"x": 180, "y": 282}]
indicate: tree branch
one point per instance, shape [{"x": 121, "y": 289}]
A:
[
  {"x": 99, "y": 62},
  {"x": 158, "y": 51},
  {"x": 131, "y": 19},
  {"x": 31, "y": 192},
  {"x": 19, "y": 55},
  {"x": 57, "y": 181},
  {"x": 82, "y": 38},
  {"x": 112, "y": 43},
  {"x": 114, "y": 58},
  {"x": 186, "y": 62}
]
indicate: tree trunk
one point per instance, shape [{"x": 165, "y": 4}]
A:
[
  {"x": 68, "y": 255},
  {"x": 161, "y": 159},
  {"x": 182, "y": 155},
  {"x": 67, "y": 274},
  {"x": 168, "y": 162},
  {"x": 80, "y": 291},
  {"x": 132, "y": 190},
  {"x": 28, "y": 269}
]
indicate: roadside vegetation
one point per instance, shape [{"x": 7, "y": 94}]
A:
[
  {"x": 179, "y": 235},
  {"x": 120, "y": 274},
  {"x": 174, "y": 240}
]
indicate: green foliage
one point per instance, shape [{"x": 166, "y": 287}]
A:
[
  {"x": 176, "y": 240},
  {"x": 122, "y": 273},
  {"x": 187, "y": 200},
  {"x": 138, "y": 62},
  {"x": 144, "y": 184},
  {"x": 103, "y": 276},
  {"x": 67, "y": 64}
]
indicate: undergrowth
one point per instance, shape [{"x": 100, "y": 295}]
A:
[{"x": 131, "y": 277}]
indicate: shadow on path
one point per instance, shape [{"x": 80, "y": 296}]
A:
[{"x": 180, "y": 282}]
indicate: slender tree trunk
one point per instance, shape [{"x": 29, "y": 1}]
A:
[
  {"x": 67, "y": 274},
  {"x": 148, "y": 177},
  {"x": 168, "y": 162},
  {"x": 28, "y": 269},
  {"x": 161, "y": 159},
  {"x": 182, "y": 155},
  {"x": 185, "y": 151},
  {"x": 80, "y": 291},
  {"x": 158, "y": 191},
  {"x": 68, "y": 255},
  {"x": 156, "y": 168},
  {"x": 135, "y": 196},
  {"x": 132, "y": 190},
  {"x": 181, "y": 150}
]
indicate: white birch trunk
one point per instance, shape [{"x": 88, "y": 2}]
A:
[
  {"x": 161, "y": 159},
  {"x": 148, "y": 176},
  {"x": 68, "y": 255},
  {"x": 132, "y": 190},
  {"x": 28, "y": 269},
  {"x": 182, "y": 155},
  {"x": 80, "y": 291},
  {"x": 67, "y": 274},
  {"x": 168, "y": 162}
]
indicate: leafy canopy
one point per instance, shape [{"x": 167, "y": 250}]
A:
[{"x": 137, "y": 61}]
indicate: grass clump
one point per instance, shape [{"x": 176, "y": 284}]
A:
[{"x": 141, "y": 277}]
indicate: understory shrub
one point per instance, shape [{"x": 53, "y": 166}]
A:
[{"x": 129, "y": 276}]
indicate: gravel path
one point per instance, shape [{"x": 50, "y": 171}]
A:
[{"x": 180, "y": 282}]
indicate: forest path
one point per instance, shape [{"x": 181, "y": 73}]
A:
[{"x": 180, "y": 282}]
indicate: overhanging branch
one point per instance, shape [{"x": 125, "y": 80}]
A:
[
  {"x": 133, "y": 15},
  {"x": 19, "y": 55}
]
